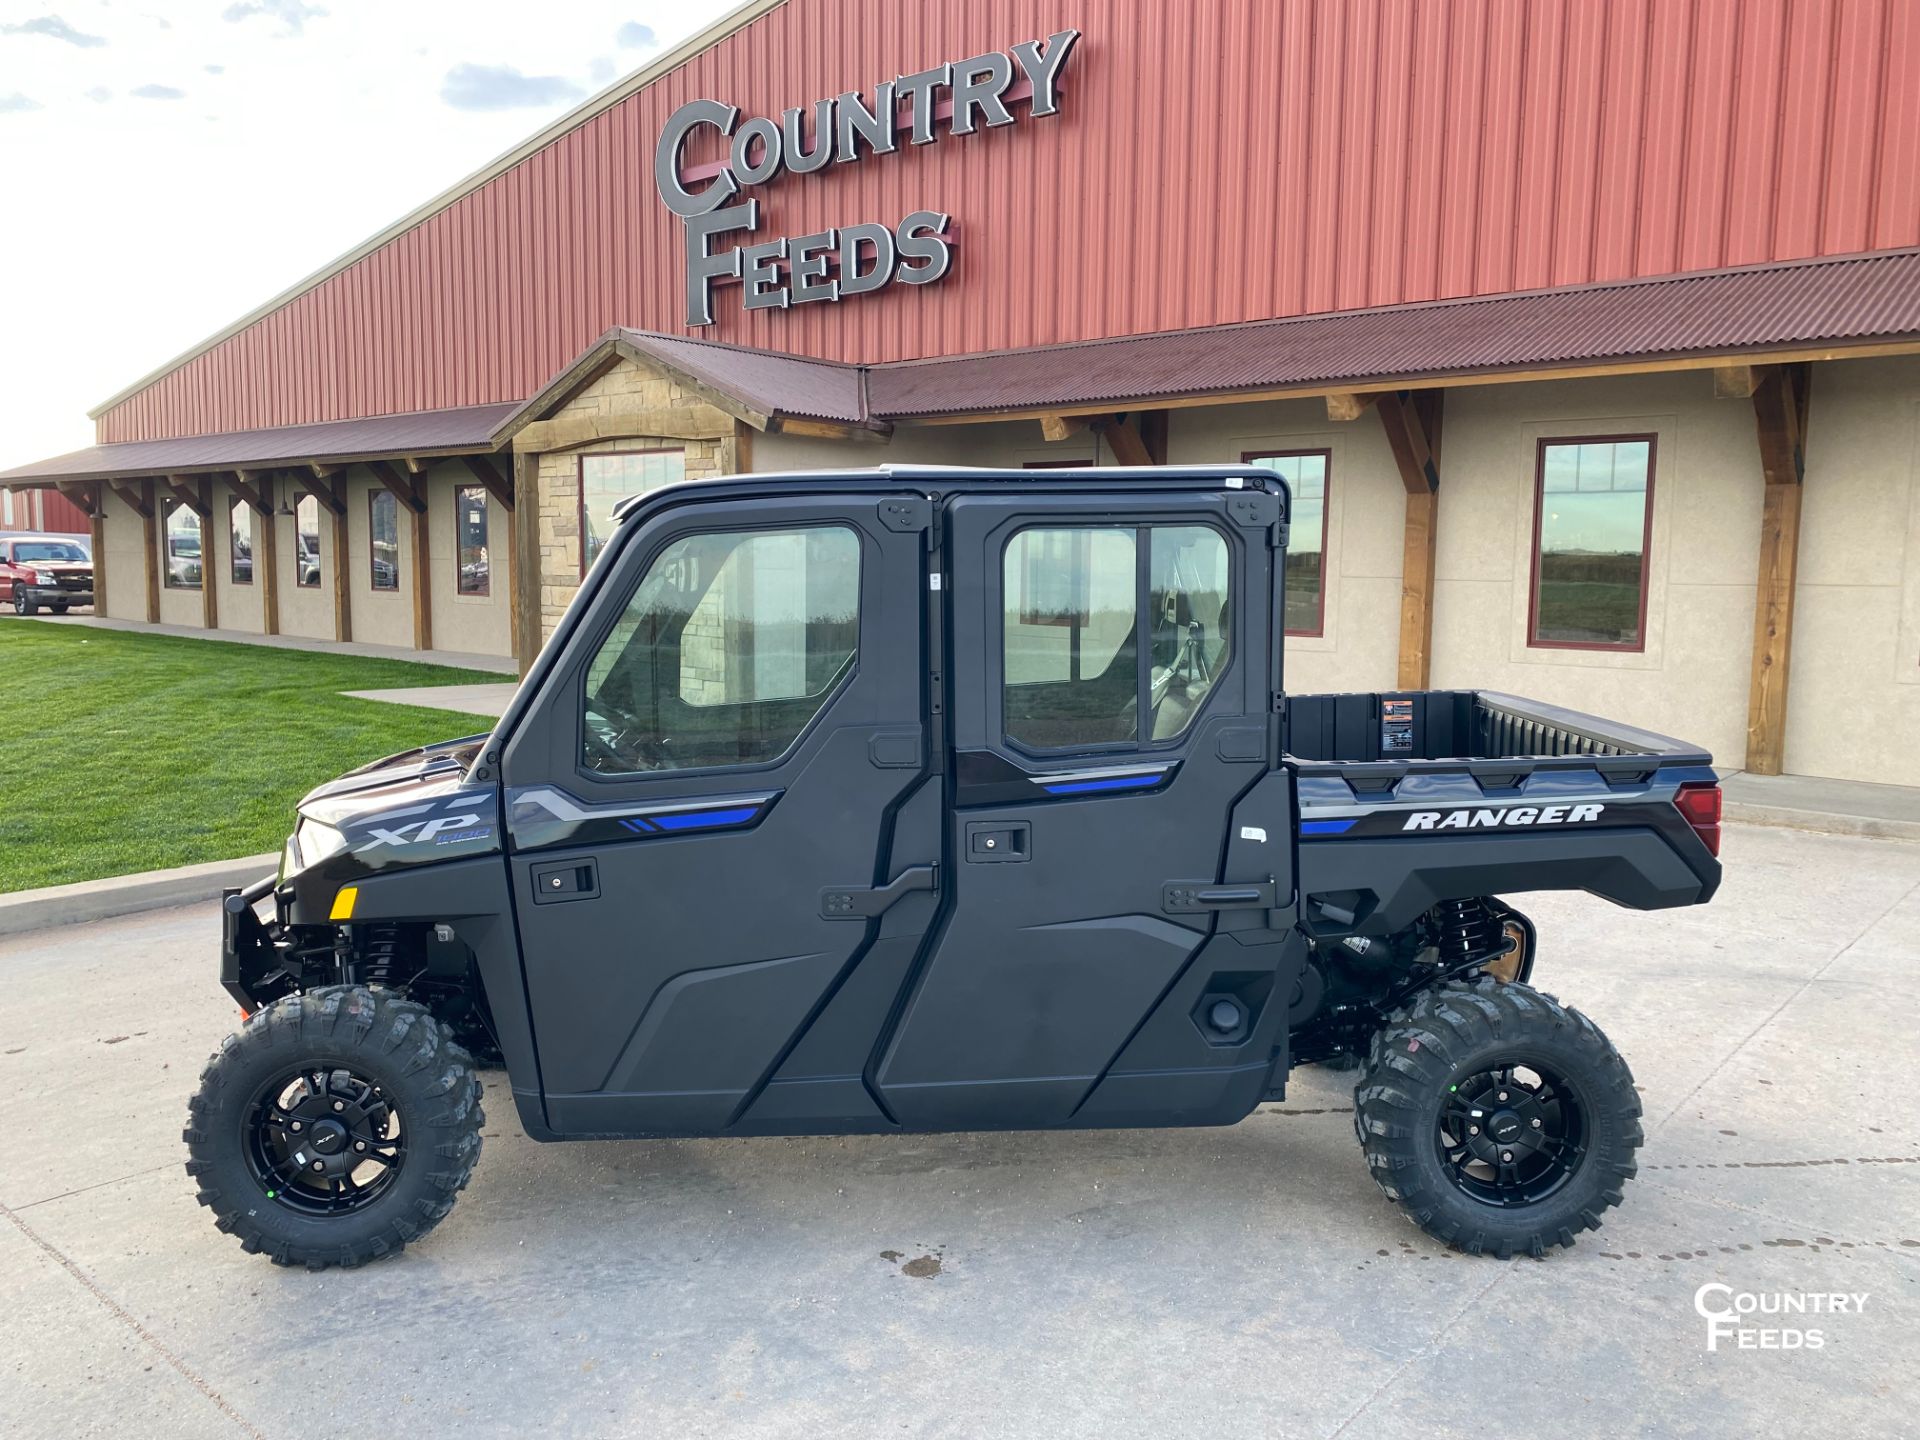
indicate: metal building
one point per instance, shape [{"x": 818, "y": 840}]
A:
[{"x": 1588, "y": 334}]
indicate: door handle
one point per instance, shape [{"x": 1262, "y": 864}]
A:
[
  {"x": 568, "y": 880},
  {"x": 849, "y": 903},
  {"x": 1191, "y": 897}
]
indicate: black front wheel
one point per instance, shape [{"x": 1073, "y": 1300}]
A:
[
  {"x": 336, "y": 1127},
  {"x": 23, "y": 603},
  {"x": 1500, "y": 1120}
]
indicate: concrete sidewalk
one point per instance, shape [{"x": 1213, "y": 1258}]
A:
[
  {"x": 467, "y": 699},
  {"x": 459, "y": 659},
  {"x": 1807, "y": 802}
]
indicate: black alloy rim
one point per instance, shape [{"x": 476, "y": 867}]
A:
[
  {"x": 324, "y": 1141},
  {"x": 1511, "y": 1134}
]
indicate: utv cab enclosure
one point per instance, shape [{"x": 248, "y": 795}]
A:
[{"x": 942, "y": 799}]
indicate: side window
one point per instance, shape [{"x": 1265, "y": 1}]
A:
[
  {"x": 306, "y": 542},
  {"x": 383, "y": 534},
  {"x": 470, "y": 536},
  {"x": 1076, "y": 603},
  {"x": 728, "y": 649},
  {"x": 1593, "y": 512},
  {"x": 182, "y": 532},
  {"x": 240, "y": 541},
  {"x": 1306, "y": 474}
]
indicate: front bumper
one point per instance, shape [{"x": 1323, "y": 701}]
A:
[
  {"x": 250, "y": 968},
  {"x": 55, "y": 595}
]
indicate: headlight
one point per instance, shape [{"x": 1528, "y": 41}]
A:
[{"x": 316, "y": 842}]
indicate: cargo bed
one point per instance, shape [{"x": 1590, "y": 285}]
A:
[{"x": 1411, "y": 797}]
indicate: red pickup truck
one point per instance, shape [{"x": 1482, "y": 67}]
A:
[{"x": 47, "y": 570}]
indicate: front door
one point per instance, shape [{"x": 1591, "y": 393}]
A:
[
  {"x": 704, "y": 808},
  {"x": 1112, "y": 680}
]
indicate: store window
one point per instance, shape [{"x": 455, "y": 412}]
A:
[
  {"x": 730, "y": 646},
  {"x": 1306, "y": 473},
  {"x": 185, "y": 535},
  {"x": 240, "y": 541},
  {"x": 383, "y": 534},
  {"x": 306, "y": 542},
  {"x": 606, "y": 480},
  {"x": 470, "y": 531},
  {"x": 1593, "y": 518},
  {"x": 1074, "y": 603}
]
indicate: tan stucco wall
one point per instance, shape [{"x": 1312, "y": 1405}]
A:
[
  {"x": 240, "y": 606},
  {"x": 624, "y": 389},
  {"x": 126, "y": 579},
  {"x": 307, "y": 612},
  {"x": 1692, "y": 678},
  {"x": 380, "y": 617},
  {"x": 475, "y": 624},
  {"x": 1853, "y": 692}
]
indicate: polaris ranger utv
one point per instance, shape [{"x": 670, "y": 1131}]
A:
[{"x": 940, "y": 799}]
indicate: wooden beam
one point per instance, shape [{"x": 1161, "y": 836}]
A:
[
  {"x": 1736, "y": 382},
  {"x": 491, "y": 474},
  {"x": 525, "y": 532},
  {"x": 245, "y": 487},
  {"x": 266, "y": 565},
  {"x": 423, "y": 571},
  {"x": 137, "y": 497},
  {"x": 1412, "y": 425},
  {"x": 84, "y": 493},
  {"x": 405, "y": 490},
  {"x": 1054, "y": 428},
  {"x": 1122, "y": 434},
  {"x": 419, "y": 464},
  {"x": 1346, "y": 405},
  {"x": 832, "y": 430},
  {"x": 322, "y": 472},
  {"x": 190, "y": 493},
  {"x": 332, "y": 496},
  {"x": 98, "y": 526},
  {"x": 150, "y": 535},
  {"x": 336, "y": 501},
  {"x": 209, "y": 565},
  {"x": 1780, "y": 416}
]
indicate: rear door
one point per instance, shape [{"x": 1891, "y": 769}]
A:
[
  {"x": 1112, "y": 677},
  {"x": 702, "y": 806}
]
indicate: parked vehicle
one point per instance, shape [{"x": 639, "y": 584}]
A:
[
  {"x": 37, "y": 570},
  {"x": 934, "y": 799}
]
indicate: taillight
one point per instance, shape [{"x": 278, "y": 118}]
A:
[{"x": 1699, "y": 804}]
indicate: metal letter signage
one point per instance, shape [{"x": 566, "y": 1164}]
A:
[{"x": 848, "y": 259}]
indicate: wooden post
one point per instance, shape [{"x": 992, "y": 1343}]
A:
[
  {"x": 1780, "y": 414},
  {"x": 97, "y": 524},
  {"x": 527, "y": 636},
  {"x": 266, "y": 562},
  {"x": 150, "y": 531},
  {"x": 209, "y": 566},
  {"x": 1412, "y": 423},
  {"x": 342, "y": 570},
  {"x": 422, "y": 571},
  {"x": 1125, "y": 438}
]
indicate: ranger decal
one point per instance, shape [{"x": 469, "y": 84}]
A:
[{"x": 1493, "y": 819}]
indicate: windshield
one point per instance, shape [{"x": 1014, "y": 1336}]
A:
[{"x": 48, "y": 550}]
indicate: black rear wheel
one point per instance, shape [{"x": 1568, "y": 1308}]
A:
[
  {"x": 336, "y": 1127},
  {"x": 1500, "y": 1120}
]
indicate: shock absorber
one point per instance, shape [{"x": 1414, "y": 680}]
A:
[
  {"x": 388, "y": 956},
  {"x": 1466, "y": 930}
]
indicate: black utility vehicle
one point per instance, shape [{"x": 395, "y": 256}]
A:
[{"x": 939, "y": 799}]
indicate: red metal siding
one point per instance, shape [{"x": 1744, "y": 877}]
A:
[{"x": 1213, "y": 161}]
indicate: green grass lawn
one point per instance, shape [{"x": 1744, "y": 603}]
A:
[{"x": 122, "y": 751}]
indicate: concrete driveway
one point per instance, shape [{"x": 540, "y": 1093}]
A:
[{"x": 1242, "y": 1282}]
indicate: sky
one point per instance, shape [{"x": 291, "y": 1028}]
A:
[{"x": 168, "y": 165}]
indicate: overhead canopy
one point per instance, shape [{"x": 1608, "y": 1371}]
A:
[{"x": 1805, "y": 309}]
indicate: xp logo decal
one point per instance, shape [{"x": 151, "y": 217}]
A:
[
  {"x": 423, "y": 831},
  {"x": 1494, "y": 819}
]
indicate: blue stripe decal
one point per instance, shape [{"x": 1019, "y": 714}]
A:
[
  {"x": 1327, "y": 827},
  {"x": 638, "y": 827},
  {"x": 706, "y": 819},
  {"x": 1116, "y": 782}
]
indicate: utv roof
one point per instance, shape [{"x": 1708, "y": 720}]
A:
[{"x": 959, "y": 476}]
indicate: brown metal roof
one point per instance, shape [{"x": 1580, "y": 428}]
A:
[
  {"x": 426, "y": 432},
  {"x": 763, "y": 380},
  {"x": 1851, "y": 301},
  {"x": 1817, "y": 303}
]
